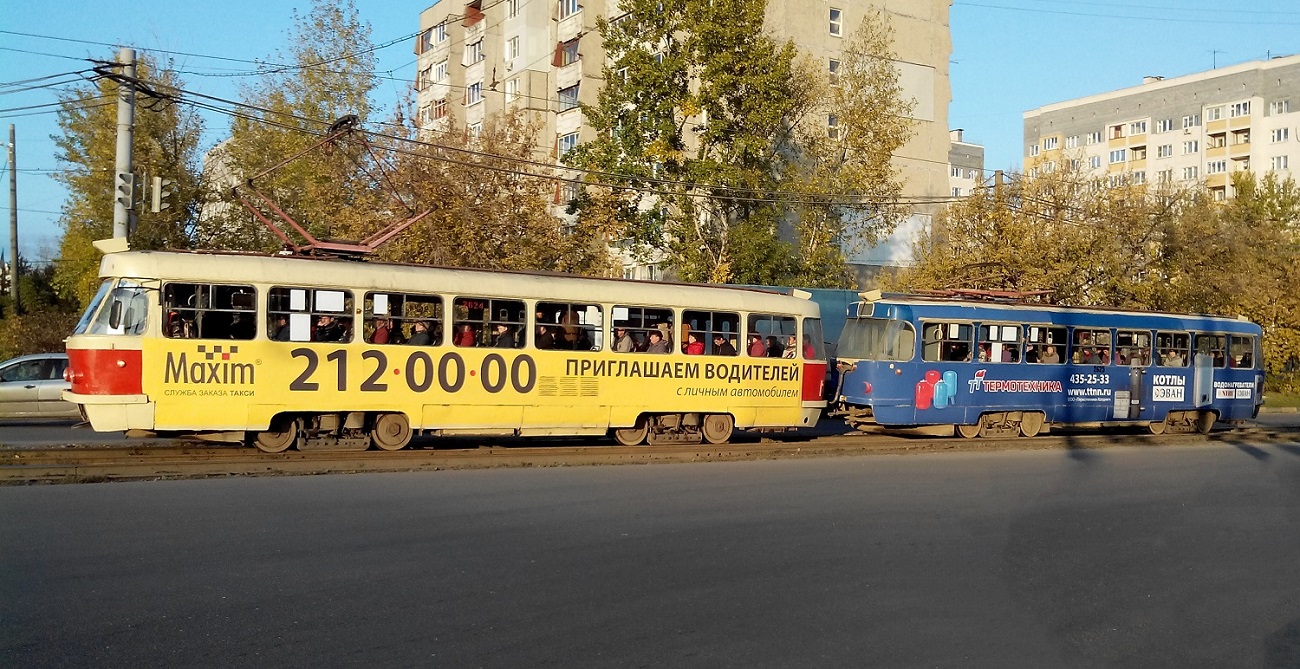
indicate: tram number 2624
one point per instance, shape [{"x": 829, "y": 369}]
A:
[{"x": 420, "y": 371}]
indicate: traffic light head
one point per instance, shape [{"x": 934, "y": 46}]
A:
[{"x": 163, "y": 190}]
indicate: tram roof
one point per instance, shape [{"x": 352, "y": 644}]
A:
[
  {"x": 259, "y": 268},
  {"x": 928, "y": 306}
]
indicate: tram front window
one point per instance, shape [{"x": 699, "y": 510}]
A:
[
  {"x": 877, "y": 339},
  {"x": 95, "y": 303},
  {"x": 125, "y": 311}
]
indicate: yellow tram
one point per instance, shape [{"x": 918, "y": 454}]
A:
[{"x": 289, "y": 351}]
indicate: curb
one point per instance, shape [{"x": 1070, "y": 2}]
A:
[{"x": 1266, "y": 409}]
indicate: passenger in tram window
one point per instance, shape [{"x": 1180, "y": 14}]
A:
[
  {"x": 791, "y": 347},
  {"x": 505, "y": 337},
  {"x": 1009, "y": 353},
  {"x": 756, "y": 347},
  {"x": 383, "y": 331},
  {"x": 985, "y": 353},
  {"x": 657, "y": 343},
  {"x": 623, "y": 342},
  {"x": 241, "y": 326},
  {"x": 1103, "y": 358},
  {"x": 544, "y": 339},
  {"x": 328, "y": 329},
  {"x": 809, "y": 351},
  {"x": 1050, "y": 356},
  {"x": 178, "y": 327},
  {"x": 693, "y": 344},
  {"x": 465, "y": 336},
  {"x": 281, "y": 328},
  {"x": 773, "y": 347},
  {"x": 419, "y": 334},
  {"x": 721, "y": 346},
  {"x": 1247, "y": 361}
]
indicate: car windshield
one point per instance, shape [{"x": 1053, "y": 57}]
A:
[{"x": 877, "y": 339}]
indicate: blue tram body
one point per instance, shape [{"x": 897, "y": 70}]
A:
[{"x": 1005, "y": 368}]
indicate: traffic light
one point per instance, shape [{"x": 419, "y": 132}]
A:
[
  {"x": 163, "y": 189},
  {"x": 126, "y": 189}
]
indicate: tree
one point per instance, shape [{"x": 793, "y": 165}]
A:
[
  {"x": 329, "y": 73},
  {"x": 166, "y": 140},
  {"x": 705, "y": 135}
]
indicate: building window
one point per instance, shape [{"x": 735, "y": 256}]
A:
[
  {"x": 475, "y": 129},
  {"x": 440, "y": 33},
  {"x": 1191, "y": 121},
  {"x": 1139, "y": 153},
  {"x": 1165, "y": 151},
  {"x": 1117, "y": 156},
  {"x": 833, "y": 71},
  {"x": 1094, "y": 162},
  {"x": 425, "y": 78},
  {"x": 1117, "y": 131},
  {"x": 568, "y": 53},
  {"x": 440, "y": 71},
  {"x": 837, "y": 22},
  {"x": 512, "y": 89},
  {"x": 1190, "y": 173},
  {"x": 1216, "y": 141},
  {"x": 1216, "y": 167},
  {"x": 1050, "y": 143},
  {"x": 422, "y": 116},
  {"x": 474, "y": 52},
  {"x": 833, "y": 127},
  {"x": 1241, "y": 136},
  {"x": 568, "y": 143},
  {"x": 1280, "y": 163},
  {"x": 1214, "y": 113},
  {"x": 474, "y": 93},
  {"x": 512, "y": 48},
  {"x": 1137, "y": 128},
  {"x": 438, "y": 109},
  {"x": 426, "y": 41},
  {"x": 1191, "y": 147},
  {"x": 1094, "y": 138},
  {"x": 1033, "y": 150},
  {"x": 1165, "y": 125},
  {"x": 956, "y": 172},
  {"x": 512, "y": 8},
  {"x": 1279, "y": 107},
  {"x": 1280, "y": 135},
  {"x": 1072, "y": 142},
  {"x": 1165, "y": 176},
  {"x": 569, "y": 98},
  {"x": 1240, "y": 109},
  {"x": 568, "y": 8}
]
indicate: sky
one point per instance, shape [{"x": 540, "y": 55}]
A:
[{"x": 1009, "y": 56}]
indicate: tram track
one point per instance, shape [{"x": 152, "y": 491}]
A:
[{"x": 184, "y": 460}]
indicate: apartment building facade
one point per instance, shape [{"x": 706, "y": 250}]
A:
[
  {"x": 480, "y": 57},
  {"x": 1200, "y": 127},
  {"x": 965, "y": 164}
]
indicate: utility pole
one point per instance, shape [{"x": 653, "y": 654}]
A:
[
  {"x": 124, "y": 179},
  {"x": 13, "y": 221}
]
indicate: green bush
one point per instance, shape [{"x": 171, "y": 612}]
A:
[{"x": 35, "y": 332}]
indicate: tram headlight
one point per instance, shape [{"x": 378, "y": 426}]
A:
[{"x": 866, "y": 387}]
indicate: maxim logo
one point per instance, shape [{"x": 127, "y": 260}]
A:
[{"x": 215, "y": 368}]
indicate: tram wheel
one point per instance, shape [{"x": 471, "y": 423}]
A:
[
  {"x": 971, "y": 431},
  {"x": 392, "y": 432},
  {"x": 1031, "y": 423},
  {"x": 1157, "y": 426},
  {"x": 717, "y": 428},
  {"x": 633, "y": 436},
  {"x": 282, "y": 434},
  {"x": 1205, "y": 421}
]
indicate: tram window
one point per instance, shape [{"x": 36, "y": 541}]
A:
[
  {"x": 1133, "y": 348},
  {"x": 488, "y": 321},
  {"x": 768, "y": 334},
  {"x": 209, "y": 311},
  {"x": 1241, "y": 352},
  {"x": 1090, "y": 347},
  {"x": 125, "y": 311},
  {"x": 947, "y": 342},
  {"x": 1213, "y": 346},
  {"x": 572, "y": 326},
  {"x": 1044, "y": 345},
  {"x": 1172, "y": 348},
  {"x": 813, "y": 347},
  {"x": 309, "y": 314},
  {"x": 640, "y": 322},
  {"x": 399, "y": 318},
  {"x": 877, "y": 339},
  {"x": 999, "y": 343},
  {"x": 708, "y": 326}
]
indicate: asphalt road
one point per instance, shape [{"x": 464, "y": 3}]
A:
[{"x": 1142, "y": 557}]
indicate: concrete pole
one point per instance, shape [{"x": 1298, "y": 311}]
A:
[
  {"x": 123, "y": 203},
  {"x": 13, "y": 221}
]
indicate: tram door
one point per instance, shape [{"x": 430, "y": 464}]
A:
[
  {"x": 1203, "y": 379},
  {"x": 1129, "y": 406}
]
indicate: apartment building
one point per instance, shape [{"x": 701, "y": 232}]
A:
[
  {"x": 965, "y": 164},
  {"x": 477, "y": 58},
  {"x": 1196, "y": 128}
]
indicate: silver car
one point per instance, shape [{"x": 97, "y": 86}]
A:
[{"x": 31, "y": 386}]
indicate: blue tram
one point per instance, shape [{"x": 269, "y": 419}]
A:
[{"x": 1005, "y": 368}]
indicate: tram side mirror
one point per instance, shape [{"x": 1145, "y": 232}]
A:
[{"x": 115, "y": 315}]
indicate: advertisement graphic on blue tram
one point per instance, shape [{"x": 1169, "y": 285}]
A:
[{"x": 921, "y": 361}]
